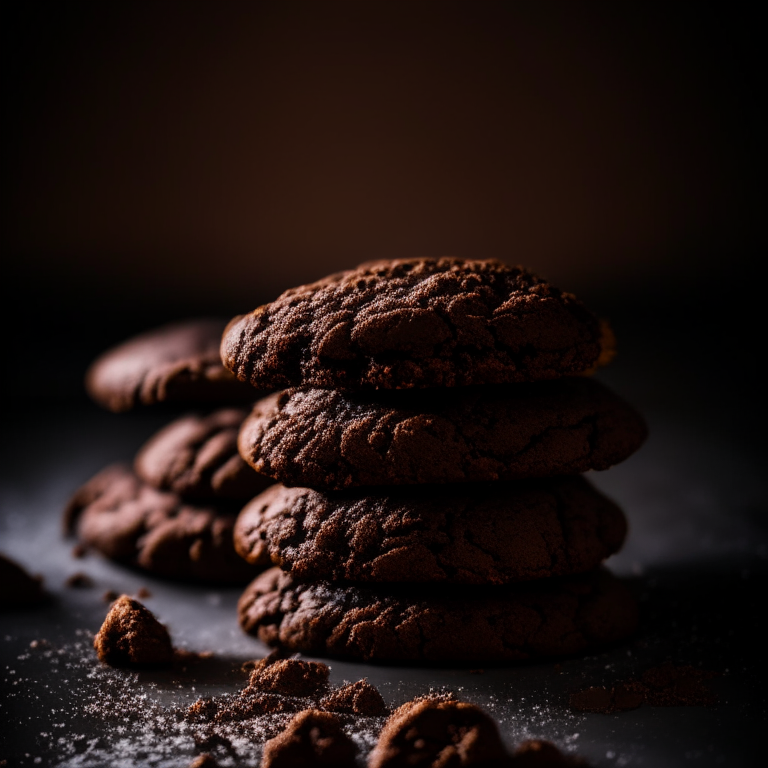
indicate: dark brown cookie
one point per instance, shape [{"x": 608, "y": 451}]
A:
[
  {"x": 436, "y": 624},
  {"x": 477, "y": 533},
  {"x": 415, "y": 323},
  {"x": 196, "y": 457},
  {"x": 175, "y": 363},
  {"x": 131, "y": 522},
  {"x": 313, "y": 738},
  {"x": 17, "y": 588},
  {"x": 131, "y": 636},
  {"x": 320, "y": 438},
  {"x": 437, "y": 732}
]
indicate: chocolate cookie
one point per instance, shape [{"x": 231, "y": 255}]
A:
[
  {"x": 176, "y": 363},
  {"x": 435, "y": 624},
  {"x": 415, "y": 323},
  {"x": 196, "y": 457},
  {"x": 478, "y": 533},
  {"x": 329, "y": 439},
  {"x": 131, "y": 522},
  {"x": 437, "y": 732}
]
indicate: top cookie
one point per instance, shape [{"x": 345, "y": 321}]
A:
[
  {"x": 415, "y": 323},
  {"x": 175, "y": 363}
]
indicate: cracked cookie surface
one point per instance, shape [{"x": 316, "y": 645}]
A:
[
  {"x": 424, "y": 623},
  {"x": 176, "y": 363},
  {"x": 483, "y": 533},
  {"x": 328, "y": 439},
  {"x": 127, "y": 520},
  {"x": 196, "y": 457},
  {"x": 415, "y": 323}
]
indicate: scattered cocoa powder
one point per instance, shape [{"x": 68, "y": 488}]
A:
[
  {"x": 663, "y": 686},
  {"x": 359, "y": 698},
  {"x": 312, "y": 738},
  {"x": 79, "y": 580},
  {"x": 132, "y": 636}
]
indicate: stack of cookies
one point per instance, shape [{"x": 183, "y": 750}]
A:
[
  {"x": 434, "y": 421},
  {"x": 174, "y": 511}
]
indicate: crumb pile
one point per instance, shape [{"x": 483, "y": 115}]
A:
[
  {"x": 430, "y": 443},
  {"x": 172, "y": 513}
]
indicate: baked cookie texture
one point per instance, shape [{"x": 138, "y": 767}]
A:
[
  {"x": 127, "y": 520},
  {"x": 329, "y": 439},
  {"x": 414, "y": 323},
  {"x": 429, "y": 624},
  {"x": 177, "y": 363},
  {"x": 438, "y": 732},
  {"x": 478, "y": 533},
  {"x": 196, "y": 457}
]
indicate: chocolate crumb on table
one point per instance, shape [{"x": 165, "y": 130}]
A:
[
  {"x": 436, "y": 732},
  {"x": 291, "y": 677},
  {"x": 132, "y": 636},
  {"x": 359, "y": 698},
  {"x": 110, "y": 596},
  {"x": 312, "y": 738},
  {"x": 79, "y": 580},
  {"x": 143, "y": 593},
  {"x": 204, "y": 761}
]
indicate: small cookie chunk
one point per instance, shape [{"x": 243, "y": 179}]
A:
[
  {"x": 320, "y": 438},
  {"x": 17, "y": 588},
  {"x": 425, "y": 623},
  {"x": 414, "y": 323},
  {"x": 196, "y": 457},
  {"x": 360, "y": 698},
  {"x": 175, "y": 363},
  {"x": 131, "y": 636},
  {"x": 437, "y": 732},
  {"x": 290, "y": 677},
  {"x": 131, "y": 522},
  {"x": 312, "y": 738},
  {"x": 476, "y": 533}
]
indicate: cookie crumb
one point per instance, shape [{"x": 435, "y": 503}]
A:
[
  {"x": 110, "y": 596},
  {"x": 132, "y": 636},
  {"x": 79, "y": 551},
  {"x": 311, "y": 738},
  {"x": 292, "y": 677},
  {"x": 79, "y": 580},
  {"x": 143, "y": 593},
  {"x": 39, "y": 644},
  {"x": 204, "y": 761},
  {"x": 360, "y": 698}
]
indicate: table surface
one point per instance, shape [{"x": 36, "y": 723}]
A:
[{"x": 696, "y": 555}]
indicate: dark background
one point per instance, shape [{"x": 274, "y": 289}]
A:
[{"x": 162, "y": 160}]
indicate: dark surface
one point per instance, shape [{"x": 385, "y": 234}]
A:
[{"x": 696, "y": 554}]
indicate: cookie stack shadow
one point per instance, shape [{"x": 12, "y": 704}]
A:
[
  {"x": 172, "y": 513},
  {"x": 430, "y": 445}
]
